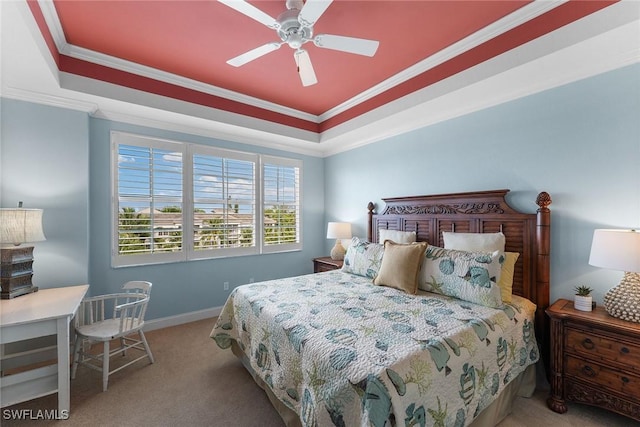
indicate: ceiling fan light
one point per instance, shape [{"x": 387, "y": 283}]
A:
[{"x": 295, "y": 40}]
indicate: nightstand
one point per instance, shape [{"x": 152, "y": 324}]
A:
[
  {"x": 325, "y": 263},
  {"x": 595, "y": 360}
]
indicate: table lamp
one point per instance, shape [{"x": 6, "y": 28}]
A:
[
  {"x": 338, "y": 231},
  {"x": 18, "y": 226},
  {"x": 620, "y": 250}
]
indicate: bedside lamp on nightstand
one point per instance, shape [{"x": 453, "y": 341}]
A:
[
  {"x": 620, "y": 250},
  {"x": 338, "y": 231},
  {"x": 17, "y": 226}
]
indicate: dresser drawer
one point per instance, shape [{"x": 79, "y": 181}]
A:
[
  {"x": 610, "y": 349},
  {"x": 591, "y": 372},
  {"x": 595, "y": 359}
]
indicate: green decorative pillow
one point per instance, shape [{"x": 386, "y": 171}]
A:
[
  {"x": 469, "y": 276},
  {"x": 486, "y": 242},
  {"x": 363, "y": 258},
  {"x": 401, "y": 266}
]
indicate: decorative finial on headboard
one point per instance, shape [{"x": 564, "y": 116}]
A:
[
  {"x": 543, "y": 200},
  {"x": 371, "y": 207}
]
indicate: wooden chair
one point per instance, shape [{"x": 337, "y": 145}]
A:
[{"x": 107, "y": 317}]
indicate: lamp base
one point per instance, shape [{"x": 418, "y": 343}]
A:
[
  {"x": 338, "y": 252},
  {"x": 16, "y": 271},
  {"x": 623, "y": 301}
]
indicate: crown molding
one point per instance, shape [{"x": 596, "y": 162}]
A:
[
  {"x": 206, "y": 128},
  {"x": 50, "y": 100},
  {"x": 50, "y": 15}
]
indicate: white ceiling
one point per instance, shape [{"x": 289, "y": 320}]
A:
[{"x": 600, "y": 42}]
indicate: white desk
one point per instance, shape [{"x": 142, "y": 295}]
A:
[{"x": 43, "y": 313}]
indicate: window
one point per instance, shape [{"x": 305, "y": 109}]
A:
[
  {"x": 224, "y": 202},
  {"x": 149, "y": 199},
  {"x": 175, "y": 201},
  {"x": 281, "y": 204}
]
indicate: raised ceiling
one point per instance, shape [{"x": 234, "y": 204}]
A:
[
  {"x": 194, "y": 39},
  {"x": 175, "y": 52}
]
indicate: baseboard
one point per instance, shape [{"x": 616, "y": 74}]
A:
[{"x": 179, "y": 319}]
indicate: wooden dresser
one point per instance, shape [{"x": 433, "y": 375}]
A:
[
  {"x": 325, "y": 263},
  {"x": 595, "y": 359}
]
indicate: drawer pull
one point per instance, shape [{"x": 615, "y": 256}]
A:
[
  {"x": 588, "y": 344},
  {"x": 588, "y": 371},
  {"x": 625, "y": 380},
  {"x": 625, "y": 350}
]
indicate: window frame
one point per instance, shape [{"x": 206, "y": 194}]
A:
[{"x": 188, "y": 151}]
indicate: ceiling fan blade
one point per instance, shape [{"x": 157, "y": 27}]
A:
[
  {"x": 347, "y": 44},
  {"x": 312, "y": 11},
  {"x": 252, "y": 12},
  {"x": 305, "y": 68},
  {"x": 253, "y": 54}
]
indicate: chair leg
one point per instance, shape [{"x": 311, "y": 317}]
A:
[
  {"x": 146, "y": 346},
  {"x": 76, "y": 356},
  {"x": 105, "y": 366},
  {"x": 122, "y": 345}
]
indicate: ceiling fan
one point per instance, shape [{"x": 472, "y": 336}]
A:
[{"x": 295, "y": 28}]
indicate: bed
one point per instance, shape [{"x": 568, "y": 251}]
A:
[{"x": 333, "y": 348}]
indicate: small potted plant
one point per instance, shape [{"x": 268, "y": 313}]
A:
[{"x": 582, "y": 301}]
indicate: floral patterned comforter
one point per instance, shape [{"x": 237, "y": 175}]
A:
[{"x": 341, "y": 351}]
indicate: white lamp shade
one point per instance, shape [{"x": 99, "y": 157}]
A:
[
  {"x": 19, "y": 225},
  {"x": 339, "y": 230},
  {"x": 616, "y": 249}
]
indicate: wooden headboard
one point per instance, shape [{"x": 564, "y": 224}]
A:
[{"x": 482, "y": 212}]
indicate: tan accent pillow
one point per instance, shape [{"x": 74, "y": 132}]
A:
[
  {"x": 401, "y": 265},
  {"x": 506, "y": 277}
]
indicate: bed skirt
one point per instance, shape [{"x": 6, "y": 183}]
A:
[{"x": 521, "y": 386}]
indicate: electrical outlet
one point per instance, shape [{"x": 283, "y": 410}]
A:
[
  {"x": 226, "y": 286},
  {"x": 250, "y": 279}
]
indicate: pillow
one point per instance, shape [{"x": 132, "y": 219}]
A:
[
  {"x": 469, "y": 276},
  {"x": 401, "y": 266},
  {"x": 363, "y": 258},
  {"x": 506, "y": 275},
  {"x": 485, "y": 242},
  {"x": 396, "y": 236},
  {"x": 474, "y": 242}
]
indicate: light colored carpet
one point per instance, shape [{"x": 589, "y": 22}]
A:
[{"x": 194, "y": 383}]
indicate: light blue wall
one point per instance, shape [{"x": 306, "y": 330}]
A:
[
  {"x": 44, "y": 159},
  {"x": 579, "y": 142},
  {"x": 195, "y": 285}
]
